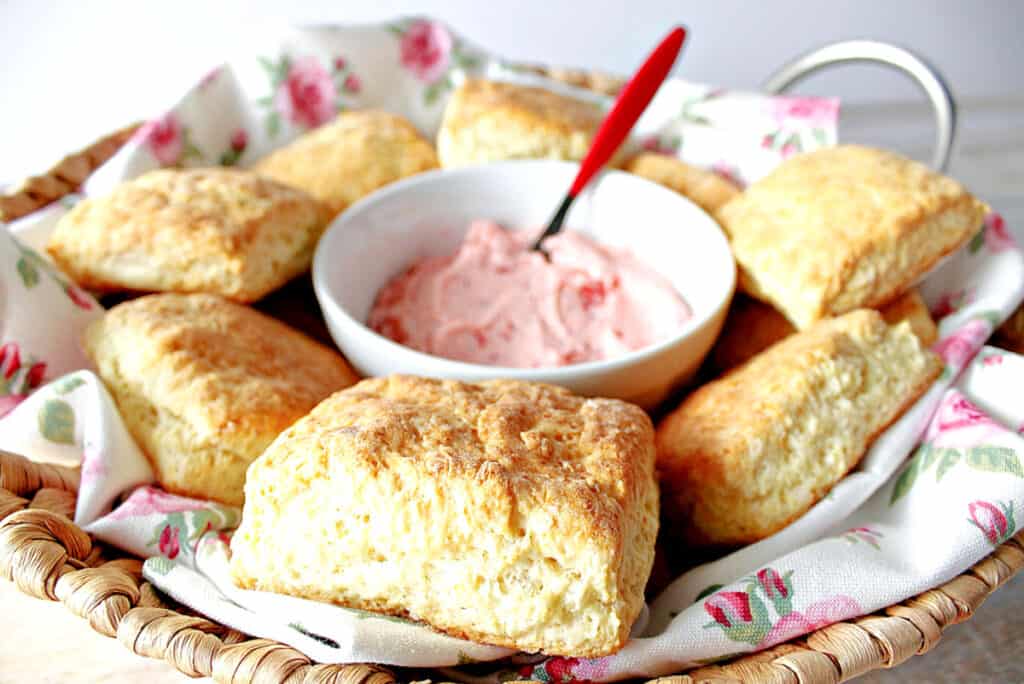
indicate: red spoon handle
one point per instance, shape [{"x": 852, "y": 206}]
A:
[{"x": 632, "y": 101}]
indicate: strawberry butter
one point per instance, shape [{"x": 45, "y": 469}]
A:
[{"x": 497, "y": 303}]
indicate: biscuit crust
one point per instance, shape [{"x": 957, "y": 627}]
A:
[
  {"x": 217, "y": 230},
  {"x": 746, "y": 454},
  {"x": 509, "y": 513},
  {"x": 753, "y": 326},
  {"x": 490, "y": 121},
  {"x": 350, "y": 157},
  {"x": 844, "y": 227},
  {"x": 204, "y": 385},
  {"x": 706, "y": 189}
]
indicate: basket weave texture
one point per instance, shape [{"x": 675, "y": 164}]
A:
[{"x": 47, "y": 556}]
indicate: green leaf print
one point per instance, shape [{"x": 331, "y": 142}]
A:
[
  {"x": 57, "y": 421},
  {"x": 230, "y": 158},
  {"x": 464, "y": 659},
  {"x": 316, "y": 637},
  {"x": 995, "y": 459},
  {"x": 464, "y": 60},
  {"x": 367, "y": 615},
  {"x": 977, "y": 241},
  {"x": 160, "y": 565},
  {"x": 906, "y": 479},
  {"x": 28, "y": 272},
  {"x": 68, "y": 385},
  {"x": 950, "y": 457},
  {"x": 993, "y": 318},
  {"x": 273, "y": 124},
  {"x": 708, "y": 591}
]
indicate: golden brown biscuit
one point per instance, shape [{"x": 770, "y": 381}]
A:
[
  {"x": 753, "y": 326},
  {"x": 844, "y": 227},
  {"x": 704, "y": 188},
  {"x": 217, "y": 230},
  {"x": 505, "y": 512},
  {"x": 204, "y": 385},
  {"x": 490, "y": 121},
  {"x": 347, "y": 159},
  {"x": 746, "y": 454},
  {"x": 910, "y": 307}
]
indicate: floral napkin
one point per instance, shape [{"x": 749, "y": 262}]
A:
[{"x": 949, "y": 466}]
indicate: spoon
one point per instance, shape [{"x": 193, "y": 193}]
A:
[{"x": 629, "y": 105}]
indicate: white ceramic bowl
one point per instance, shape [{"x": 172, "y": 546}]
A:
[{"x": 428, "y": 214}]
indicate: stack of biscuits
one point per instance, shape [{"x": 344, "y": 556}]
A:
[{"x": 507, "y": 512}]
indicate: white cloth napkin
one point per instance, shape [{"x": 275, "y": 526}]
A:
[{"x": 868, "y": 544}]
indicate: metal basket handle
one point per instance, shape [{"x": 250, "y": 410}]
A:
[{"x": 873, "y": 52}]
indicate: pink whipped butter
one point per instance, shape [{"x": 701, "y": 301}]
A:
[{"x": 495, "y": 302}]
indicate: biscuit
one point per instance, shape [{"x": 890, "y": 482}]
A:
[
  {"x": 508, "y": 513},
  {"x": 706, "y": 189},
  {"x": 842, "y": 228},
  {"x": 490, "y": 120},
  {"x": 753, "y": 326},
  {"x": 204, "y": 385},
  {"x": 350, "y": 157},
  {"x": 746, "y": 454},
  {"x": 217, "y": 230}
]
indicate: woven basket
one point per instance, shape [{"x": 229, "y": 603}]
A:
[{"x": 47, "y": 556}]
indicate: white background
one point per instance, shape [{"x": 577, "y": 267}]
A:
[{"x": 74, "y": 70}]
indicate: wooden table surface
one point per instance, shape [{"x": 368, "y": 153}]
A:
[{"x": 42, "y": 642}]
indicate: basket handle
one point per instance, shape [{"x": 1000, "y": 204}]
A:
[{"x": 874, "y": 52}]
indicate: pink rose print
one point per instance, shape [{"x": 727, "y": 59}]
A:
[
  {"x": 993, "y": 360},
  {"x": 307, "y": 96},
  {"x": 959, "y": 423},
  {"x": 560, "y": 669},
  {"x": 997, "y": 237},
  {"x": 815, "y": 616},
  {"x": 729, "y": 608},
  {"x": 236, "y": 146},
  {"x": 996, "y": 524},
  {"x": 80, "y": 297},
  {"x": 660, "y": 145},
  {"x": 867, "y": 535},
  {"x": 728, "y": 172},
  {"x": 8, "y": 403},
  {"x": 35, "y": 375},
  {"x": 788, "y": 150},
  {"x": 813, "y": 111},
  {"x": 565, "y": 670},
  {"x": 10, "y": 359},
  {"x": 950, "y": 302},
  {"x": 960, "y": 347},
  {"x": 147, "y": 500},
  {"x": 169, "y": 542},
  {"x": 425, "y": 50},
  {"x": 777, "y": 589},
  {"x": 93, "y": 467},
  {"x": 211, "y": 76},
  {"x": 353, "y": 84},
  {"x": 239, "y": 140},
  {"x": 340, "y": 63},
  {"x": 772, "y": 584},
  {"x": 164, "y": 138}
]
